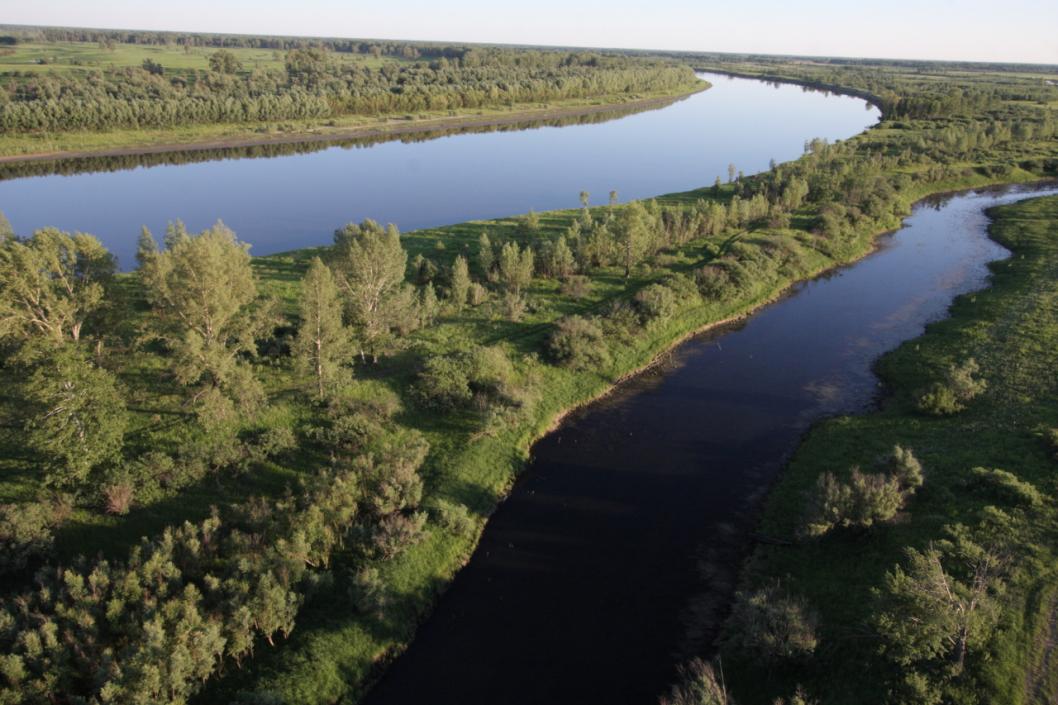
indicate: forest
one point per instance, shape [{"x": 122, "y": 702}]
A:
[
  {"x": 207, "y": 458},
  {"x": 303, "y": 80}
]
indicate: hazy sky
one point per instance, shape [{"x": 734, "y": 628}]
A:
[{"x": 984, "y": 30}]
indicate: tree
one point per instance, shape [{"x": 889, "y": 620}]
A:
[
  {"x": 6, "y": 231},
  {"x": 958, "y": 388},
  {"x": 516, "y": 268},
  {"x": 370, "y": 264},
  {"x": 579, "y": 343},
  {"x": 699, "y": 685},
  {"x": 633, "y": 235},
  {"x": 460, "y": 286},
  {"x": 78, "y": 417},
  {"x": 153, "y": 67},
  {"x": 51, "y": 284},
  {"x": 866, "y": 499},
  {"x": 486, "y": 257},
  {"x": 731, "y": 171},
  {"x": 204, "y": 296},
  {"x": 323, "y": 343},
  {"x": 224, "y": 61},
  {"x": 942, "y": 604},
  {"x": 563, "y": 262},
  {"x": 585, "y": 197}
]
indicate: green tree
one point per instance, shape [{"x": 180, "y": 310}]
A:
[
  {"x": 771, "y": 623},
  {"x": 633, "y": 235},
  {"x": 515, "y": 268},
  {"x": 563, "y": 263},
  {"x": 370, "y": 264},
  {"x": 585, "y": 197},
  {"x": 206, "y": 309},
  {"x": 224, "y": 61},
  {"x": 460, "y": 286},
  {"x": 78, "y": 416},
  {"x": 323, "y": 343},
  {"x": 51, "y": 284},
  {"x": 6, "y": 231}
]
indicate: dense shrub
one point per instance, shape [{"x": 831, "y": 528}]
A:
[
  {"x": 772, "y": 624},
  {"x": 951, "y": 395},
  {"x": 655, "y": 302},
  {"x": 483, "y": 376},
  {"x": 1006, "y": 487},
  {"x": 454, "y": 517},
  {"x": 25, "y": 534},
  {"x": 579, "y": 343},
  {"x": 865, "y": 499}
]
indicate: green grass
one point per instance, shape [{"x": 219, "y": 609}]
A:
[
  {"x": 60, "y": 57},
  {"x": 1011, "y": 328}
]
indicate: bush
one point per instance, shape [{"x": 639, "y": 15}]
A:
[
  {"x": 477, "y": 294},
  {"x": 959, "y": 387},
  {"x": 698, "y": 685},
  {"x": 454, "y": 517},
  {"x": 655, "y": 302},
  {"x": 118, "y": 497},
  {"x": 905, "y": 467},
  {"x": 575, "y": 286},
  {"x": 713, "y": 282},
  {"x": 1006, "y": 487},
  {"x": 397, "y": 531},
  {"x": 773, "y": 625},
  {"x": 368, "y": 593},
  {"x": 1051, "y": 437},
  {"x": 25, "y": 534},
  {"x": 867, "y": 498},
  {"x": 443, "y": 383},
  {"x": 578, "y": 343}
]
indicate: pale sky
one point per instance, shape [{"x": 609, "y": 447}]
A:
[{"x": 974, "y": 30}]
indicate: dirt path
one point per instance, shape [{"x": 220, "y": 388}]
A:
[{"x": 1038, "y": 689}]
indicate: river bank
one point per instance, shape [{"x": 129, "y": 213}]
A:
[{"x": 213, "y": 137}]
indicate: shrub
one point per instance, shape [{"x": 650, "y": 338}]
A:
[
  {"x": 713, "y": 282},
  {"x": 575, "y": 286},
  {"x": 772, "y": 624},
  {"x": 368, "y": 593},
  {"x": 1006, "y": 486},
  {"x": 1051, "y": 436},
  {"x": 959, "y": 387},
  {"x": 481, "y": 374},
  {"x": 118, "y": 497},
  {"x": 477, "y": 294},
  {"x": 443, "y": 383},
  {"x": 578, "y": 343},
  {"x": 513, "y": 306},
  {"x": 25, "y": 534},
  {"x": 698, "y": 685},
  {"x": 906, "y": 468},
  {"x": 865, "y": 499},
  {"x": 655, "y": 302},
  {"x": 454, "y": 517},
  {"x": 397, "y": 531}
]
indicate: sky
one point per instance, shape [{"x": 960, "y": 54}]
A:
[{"x": 970, "y": 30}]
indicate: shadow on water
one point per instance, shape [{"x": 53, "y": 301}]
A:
[{"x": 634, "y": 515}]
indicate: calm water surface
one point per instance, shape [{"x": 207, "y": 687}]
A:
[
  {"x": 576, "y": 592},
  {"x": 286, "y": 202}
]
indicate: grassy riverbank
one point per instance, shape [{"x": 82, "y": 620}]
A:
[
  {"x": 1011, "y": 330},
  {"x": 68, "y": 145}
]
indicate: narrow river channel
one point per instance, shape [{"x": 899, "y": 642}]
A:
[{"x": 580, "y": 587}]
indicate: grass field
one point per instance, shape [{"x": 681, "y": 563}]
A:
[
  {"x": 58, "y": 57},
  {"x": 1011, "y": 329}
]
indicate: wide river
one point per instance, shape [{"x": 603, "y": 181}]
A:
[{"x": 286, "y": 202}]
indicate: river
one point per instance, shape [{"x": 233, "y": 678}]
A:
[
  {"x": 635, "y": 512},
  {"x": 285, "y": 202}
]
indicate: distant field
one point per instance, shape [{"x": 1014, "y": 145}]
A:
[{"x": 44, "y": 57}]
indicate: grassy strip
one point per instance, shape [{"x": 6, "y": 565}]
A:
[
  {"x": 1011, "y": 329},
  {"x": 87, "y": 143}
]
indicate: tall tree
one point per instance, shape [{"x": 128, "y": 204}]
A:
[
  {"x": 77, "y": 415},
  {"x": 633, "y": 235},
  {"x": 460, "y": 283},
  {"x": 204, "y": 296},
  {"x": 370, "y": 264},
  {"x": 51, "y": 284},
  {"x": 323, "y": 342}
]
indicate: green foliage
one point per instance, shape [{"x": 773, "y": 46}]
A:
[
  {"x": 224, "y": 61},
  {"x": 579, "y": 343},
  {"x": 960, "y": 386},
  {"x": 51, "y": 284},
  {"x": 698, "y": 685},
  {"x": 204, "y": 297},
  {"x": 77, "y": 418},
  {"x": 460, "y": 285},
  {"x": 370, "y": 264},
  {"x": 482, "y": 375},
  {"x": 323, "y": 343},
  {"x": 772, "y": 625},
  {"x": 26, "y": 534},
  {"x": 1006, "y": 487}
]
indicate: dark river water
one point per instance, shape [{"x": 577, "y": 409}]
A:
[
  {"x": 578, "y": 590},
  {"x": 286, "y": 202}
]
